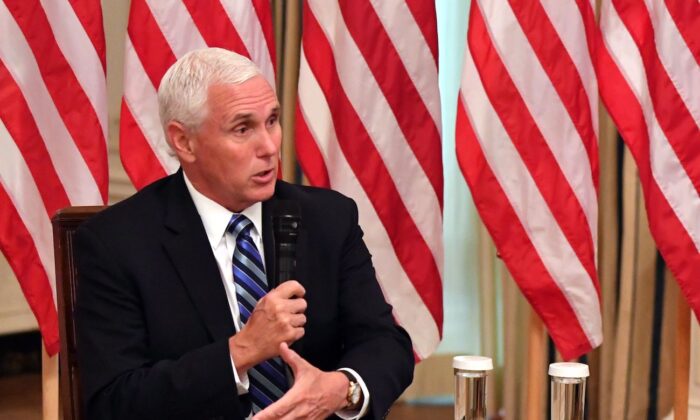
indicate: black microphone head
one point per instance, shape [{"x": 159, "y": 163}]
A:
[
  {"x": 286, "y": 207},
  {"x": 286, "y": 221}
]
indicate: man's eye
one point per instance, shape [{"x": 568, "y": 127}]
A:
[
  {"x": 272, "y": 120},
  {"x": 241, "y": 129}
]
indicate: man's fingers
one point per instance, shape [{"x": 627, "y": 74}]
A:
[
  {"x": 297, "y": 320},
  {"x": 291, "y": 357},
  {"x": 315, "y": 395},
  {"x": 298, "y": 333},
  {"x": 286, "y": 408},
  {"x": 273, "y": 411},
  {"x": 296, "y": 306},
  {"x": 279, "y": 408},
  {"x": 289, "y": 289}
]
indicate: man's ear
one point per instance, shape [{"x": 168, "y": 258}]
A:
[{"x": 181, "y": 141}]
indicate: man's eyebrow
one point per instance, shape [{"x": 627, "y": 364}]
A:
[
  {"x": 249, "y": 115},
  {"x": 238, "y": 117}
]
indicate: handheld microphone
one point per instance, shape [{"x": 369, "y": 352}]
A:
[{"x": 286, "y": 222}]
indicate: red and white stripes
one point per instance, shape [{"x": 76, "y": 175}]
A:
[
  {"x": 368, "y": 126},
  {"x": 527, "y": 145},
  {"x": 160, "y": 32},
  {"x": 650, "y": 83},
  {"x": 52, "y": 135}
]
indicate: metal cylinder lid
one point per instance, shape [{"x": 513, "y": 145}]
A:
[
  {"x": 474, "y": 363},
  {"x": 568, "y": 370}
]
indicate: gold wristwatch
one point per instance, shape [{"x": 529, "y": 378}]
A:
[{"x": 354, "y": 395}]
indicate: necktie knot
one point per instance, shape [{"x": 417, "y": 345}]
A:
[
  {"x": 239, "y": 224},
  {"x": 246, "y": 255}
]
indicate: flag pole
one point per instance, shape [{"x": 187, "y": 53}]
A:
[
  {"x": 682, "y": 374},
  {"x": 536, "y": 343}
]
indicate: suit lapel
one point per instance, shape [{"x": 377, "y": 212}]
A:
[{"x": 186, "y": 244}]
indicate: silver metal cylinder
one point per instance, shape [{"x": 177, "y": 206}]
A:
[
  {"x": 568, "y": 390},
  {"x": 470, "y": 373}
]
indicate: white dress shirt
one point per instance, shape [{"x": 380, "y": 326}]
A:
[{"x": 215, "y": 219}]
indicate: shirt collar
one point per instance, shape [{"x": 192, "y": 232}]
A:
[{"x": 216, "y": 217}]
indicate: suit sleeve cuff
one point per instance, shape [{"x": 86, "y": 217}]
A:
[
  {"x": 242, "y": 382},
  {"x": 356, "y": 414}
]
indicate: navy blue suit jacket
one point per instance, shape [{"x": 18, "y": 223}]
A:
[{"x": 153, "y": 320}]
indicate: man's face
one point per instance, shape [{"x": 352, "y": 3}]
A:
[{"x": 234, "y": 154}]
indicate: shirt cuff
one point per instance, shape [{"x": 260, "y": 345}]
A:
[
  {"x": 356, "y": 414},
  {"x": 242, "y": 383}
]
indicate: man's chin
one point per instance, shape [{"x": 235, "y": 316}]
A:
[{"x": 267, "y": 191}]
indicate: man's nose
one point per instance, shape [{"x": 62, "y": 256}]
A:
[{"x": 269, "y": 144}]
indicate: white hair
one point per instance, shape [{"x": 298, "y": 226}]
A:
[{"x": 182, "y": 94}]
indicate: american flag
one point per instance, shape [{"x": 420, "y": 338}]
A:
[
  {"x": 158, "y": 33},
  {"x": 53, "y": 123},
  {"x": 526, "y": 139},
  {"x": 651, "y": 88},
  {"x": 368, "y": 125}
]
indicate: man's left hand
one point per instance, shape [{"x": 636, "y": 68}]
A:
[{"x": 315, "y": 394}]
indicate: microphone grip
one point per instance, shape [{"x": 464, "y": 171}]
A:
[
  {"x": 286, "y": 263},
  {"x": 286, "y": 270}
]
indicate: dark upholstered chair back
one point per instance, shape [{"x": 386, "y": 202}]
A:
[{"x": 65, "y": 223}]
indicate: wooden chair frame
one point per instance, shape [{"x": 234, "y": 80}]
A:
[{"x": 65, "y": 223}]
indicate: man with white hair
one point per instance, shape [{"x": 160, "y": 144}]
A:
[{"x": 176, "y": 318}]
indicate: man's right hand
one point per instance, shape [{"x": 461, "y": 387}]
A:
[{"x": 278, "y": 318}]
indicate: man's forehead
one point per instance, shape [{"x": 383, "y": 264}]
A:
[
  {"x": 256, "y": 83},
  {"x": 248, "y": 97}
]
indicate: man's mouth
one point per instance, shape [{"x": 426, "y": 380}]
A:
[{"x": 264, "y": 176}]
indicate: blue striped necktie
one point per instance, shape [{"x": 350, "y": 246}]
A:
[{"x": 267, "y": 379}]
